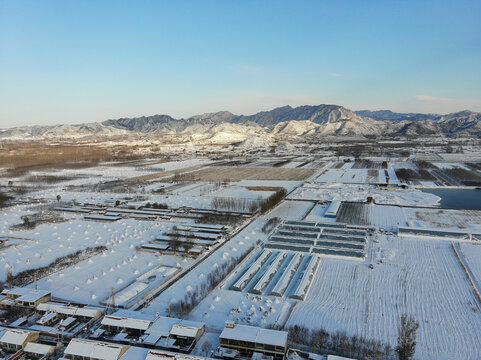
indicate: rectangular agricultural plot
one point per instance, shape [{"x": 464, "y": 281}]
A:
[
  {"x": 352, "y": 176},
  {"x": 319, "y": 238},
  {"x": 420, "y": 277},
  {"x": 277, "y": 273},
  {"x": 233, "y": 174},
  {"x": 143, "y": 286}
]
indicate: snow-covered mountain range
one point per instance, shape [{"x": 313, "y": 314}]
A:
[{"x": 303, "y": 123}]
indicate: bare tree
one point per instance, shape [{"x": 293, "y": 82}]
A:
[
  {"x": 406, "y": 341},
  {"x": 187, "y": 246},
  {"x": 175, "y": 243}
]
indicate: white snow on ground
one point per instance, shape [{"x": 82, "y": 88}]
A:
[
  {"x": 444, "y": 219},
  {"x": 402, "y": 165},
  {"x": 292, "y": 210},
  {"x": 386, "y": 216},
  {"x": 234, "y": 189},
  {"x": 173, "y": 201},
  {"x": 241, "y": 192},
  {"x": 381, "y": 216},
  {"x": 317, "y": 213},
  {"x": 292, "y": 164},
  {"x": 107, "y": 172},
  {"x": 286, "y": 184},
  {"x": 393, "y": 180},
  {"x": 193, "y": 189},
  {"x": 467, "y": 156},
  {"x": 422, "y": 278},
  {"x": 12, "y": 216},
  {"x": 347, "y": 165},
  {"x": 448, "y": 166},
  {"x": 224, "y": 305},
  {"x": 416, "y": 276},
  {"x": 91, "y": 280},
  {"x": 428, "y": 184},
  {"x": 210, "y": 341},
  {"x": 472, "y": 256},
  {"x": 351, "y": 176},
  {"x": 349, "y": 192},
  {"x": 233, "y": 248}
]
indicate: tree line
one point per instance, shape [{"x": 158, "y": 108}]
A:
[
  {"x": 192, "y": 298},
  {"x": 339, "y": 343}
]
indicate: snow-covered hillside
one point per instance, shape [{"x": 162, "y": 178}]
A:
[{"x": 303, "y": 123}]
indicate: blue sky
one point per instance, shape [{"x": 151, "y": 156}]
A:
[{"x": 83, "y": 61}]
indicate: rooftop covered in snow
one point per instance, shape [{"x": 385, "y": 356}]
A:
[{"x": 94, "y": 350}]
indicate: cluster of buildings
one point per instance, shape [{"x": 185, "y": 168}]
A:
[{"x": 43, "y": 329}]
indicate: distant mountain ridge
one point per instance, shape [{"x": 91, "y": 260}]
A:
[
  {"x": 394, "y": 116},
  {"x": 302, "y": 123}
]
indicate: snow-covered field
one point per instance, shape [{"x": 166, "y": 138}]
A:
[
  {"x": 352, "y": 176},
  {"x": 421, "y": 278},
  {"x": 449, "y": 166},
  {"x": 349, "y": 192},
  {"x": 109, "y": 172},
  {"x": 413, "y": 275},
  {"x": 472, "y": 255},
  {"x": 444, "y": 219},
  {"x": 92, "y": 280}
]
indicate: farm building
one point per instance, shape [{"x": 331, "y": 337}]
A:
[
  {"x": 250, "y": 339},
  {"x": 98, "y": 217},
  {"x": 38, "y": 351},
  {"x": 25, "y": 297},
  {"x": 82, "y": 313},
  {"x": 333, "y": 209},
  {"x": 157, "y": 331},
  {"x": 174, "y": 334},
  {"x": 68, "y": 320},
  {"x": 15, "y": 339},
  {"x": 320, "y": 238},
  {"x": 80, "y": 349},
  {"x": 128, "y": 321}
]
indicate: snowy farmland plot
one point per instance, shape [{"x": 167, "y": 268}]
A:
[
  {"x": 360, "y": 193},
  {"x": 423, "y": 278},
  {"x": 347, "y": 247},
  {"x": 276, "y": 273}
]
